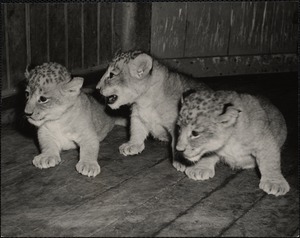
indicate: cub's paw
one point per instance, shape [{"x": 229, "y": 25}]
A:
[
  {"x": 179, "y": 166},
  {"x": 44, "y": 161},
  {"x": 197, "y": 173},
  {"x": 275, "y": 187},
  {"x": 131, "y": 149},
  {"x": 90, "y": 169}
]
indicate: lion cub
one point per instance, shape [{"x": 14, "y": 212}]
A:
[
  {"x": 154, "y": 92},
  {"x": 241, "y": 129},
  {"x": 65, "y": 116}
]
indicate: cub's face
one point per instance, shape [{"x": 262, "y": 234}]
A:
[
  {"x": 49, "y": 93},
  {"x": 125, "y": 79},
  {"x": 205, "y": 124}
]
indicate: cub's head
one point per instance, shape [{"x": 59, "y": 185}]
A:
[
  {"x": 125, "y": 79},
  {"x": 50, "y": 92},
  {"x": 206, "y": 121}
]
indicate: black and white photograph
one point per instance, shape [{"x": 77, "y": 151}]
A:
[{"x": 149, "y": 119}]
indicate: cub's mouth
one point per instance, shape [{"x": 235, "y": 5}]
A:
[{"x": 112, "y": 99}]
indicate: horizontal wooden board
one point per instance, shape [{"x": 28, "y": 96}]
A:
[
  {"x": 208, "y": 26},
  {"x": 234, "y": 65},
  {"x": 168, "y": 27}
]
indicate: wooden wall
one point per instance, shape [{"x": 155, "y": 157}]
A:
[
  {"x": 77, "y": 35},
  {"x": 199, "y": 38},
  {"x": 217, "y": 38}
]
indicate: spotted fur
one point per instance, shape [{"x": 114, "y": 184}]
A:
[
  {"x": 65, "y": 116},
  {"x": 240, "y": 129},
  {"x": 153, "y": 92}
]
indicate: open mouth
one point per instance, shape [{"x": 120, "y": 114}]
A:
[{"x": 111, "y": 99}]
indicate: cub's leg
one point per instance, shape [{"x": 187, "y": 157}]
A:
[
  {"x": 50, "y": 150},
  {"x": 88, "y": 155},
  {"x": 204, "y": 169},
  {"x": 175, "y": 156},
  {"x": 272, "y": 180},
  {"x": 138, "y": 134}
]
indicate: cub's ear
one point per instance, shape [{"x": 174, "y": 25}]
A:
[
  {"x": 73, "y": 87},
  {"x": 29, "y": 67},
  {"x": 140, "y": 66},
  {"x": 186, "y": 94},
  {"x": 229, "y": 115}
]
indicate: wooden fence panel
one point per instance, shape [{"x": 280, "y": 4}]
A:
[
  {"x": 250, "y": 28},
  {"x": 168, "y": 27},
  {"x": 38, "y": 33},
  {"x": 4, "y": 79},
  {"x": 284, "y": 35},
  {"x": 16, "y": 42},
  {"x": 208, "y": 26},
  {"x": 105, "y": 32},
  {"x": 75, "y": 40},
  {"x": 90, "y": 34},
  {"x": 57, "y": 35}
]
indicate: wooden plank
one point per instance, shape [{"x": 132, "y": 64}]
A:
[
  {"x": 90, "y": 34},
  {"x": 62, "y": 188},
  {"x": 74, "y": 36},
  {"x": 218, "y": 211},
  {"x": 250, "y": 28},
  {"x": 57, "y": 41},
  {"x": 108, "y": 207},
  {"x": 165, "y": 206},
  {"x": 105, "y": 38},
  {"x": 168, "y": 27},
  {"x": 4, "y": 79},
  {"x": 284, "y": 35},
  {"x": 38, "y": 33},
  {"x": 234, "y": 65},
  {"x": 143, "y": 26},
  {"x": 208, "y": 26},
  {"x": 16, "y": 42},
  {"x": 271, "y": 217}
]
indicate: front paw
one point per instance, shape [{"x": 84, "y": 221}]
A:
[
  {"x": 179, "y": 166},
  {"x": 196, "y": 173},
  {"x": 276, "y": 187},
  {"x": 44, "y": 161},
  {"x": 131, "y": 149},
  {"x": 90, "y": 169}
]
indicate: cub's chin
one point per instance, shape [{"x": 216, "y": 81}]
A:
[{"x": 36, "y": 123}]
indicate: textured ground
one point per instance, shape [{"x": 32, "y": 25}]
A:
[{"x": 143, "y": 195}]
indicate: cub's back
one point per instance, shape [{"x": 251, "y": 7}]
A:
[{"x": 272, "y": 115}]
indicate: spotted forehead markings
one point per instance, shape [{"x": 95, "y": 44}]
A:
[{"x": 48, "y": 73}]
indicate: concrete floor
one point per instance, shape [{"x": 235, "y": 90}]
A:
[{"x": 144, "y": 195}]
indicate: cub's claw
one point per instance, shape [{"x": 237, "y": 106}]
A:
[
  {"x": 275, "y": 187},
  {"x": 179, "y": 166},
  {"x": 196, "y": 173},
  {"x": 90, "y": 169},
  {"x": 44, "y": 161},
  {"x": 131, "y": 149}
]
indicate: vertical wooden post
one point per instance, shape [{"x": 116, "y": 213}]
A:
[{"x": 128, "y": 37}]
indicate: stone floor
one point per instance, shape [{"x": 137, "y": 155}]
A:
[{"x": 144, "y": 195}]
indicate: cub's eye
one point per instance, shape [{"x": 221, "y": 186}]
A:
[
  {"x": 26, "y": 94},
  {"x": 43, "y": 99},
  {"x": 111, "y": 75},
  {"x": 195, "y": 133}
]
